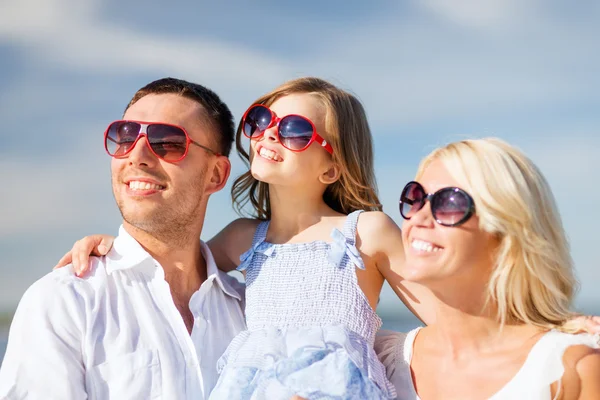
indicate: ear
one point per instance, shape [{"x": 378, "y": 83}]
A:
[
  {"x": 331, "y": 175},
  {"x": 219, "y": 174}
]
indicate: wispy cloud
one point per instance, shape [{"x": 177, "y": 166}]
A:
[{"x": 440, "y": 64}]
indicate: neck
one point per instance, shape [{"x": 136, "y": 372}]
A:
[
  {"x": 466, "y": 323},
  {"x": 292, "y": 211},
  {"x": 181, "y": 259}
]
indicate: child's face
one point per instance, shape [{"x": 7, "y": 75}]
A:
[{"x": 272, "y": 163}]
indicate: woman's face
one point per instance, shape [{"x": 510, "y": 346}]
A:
[
  {"x": 437, "y": 254},
  {"x": 272, "y": 163}
]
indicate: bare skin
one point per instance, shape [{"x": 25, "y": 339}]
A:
[
  {"x": 299, "y": 214},
  {"x": 185, "y": 186},
  {"x": 466, "y": 343}
]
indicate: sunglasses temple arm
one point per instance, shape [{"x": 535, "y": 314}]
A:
[
  {"x": 205, "y": 148},
  {"x": 324, "y": 144}
]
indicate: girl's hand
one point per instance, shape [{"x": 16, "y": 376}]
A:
[{"x": 79, "y": 255}]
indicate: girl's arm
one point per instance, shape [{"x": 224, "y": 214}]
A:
[
  {"x": 381, "y": 239},
  {"x": 228, "y": 245}
]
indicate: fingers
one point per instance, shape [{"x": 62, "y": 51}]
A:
[
  {"x": 592, "y": 324},
  {"x": 96, "y": 245},
  {"x": 65, "y": 260},
  {"x": 105, "y": 245}
]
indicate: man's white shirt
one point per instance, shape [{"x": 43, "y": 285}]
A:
[{"x": 116, "y": 333}]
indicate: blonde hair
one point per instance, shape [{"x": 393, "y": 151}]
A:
[
  {"x": 346, "y": 130},
  {"x": 532, "y": 281}
]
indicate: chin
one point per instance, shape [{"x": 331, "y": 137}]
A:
[
  {"x": 260, "y": 174},
  {"x": 415, "y": 271}
]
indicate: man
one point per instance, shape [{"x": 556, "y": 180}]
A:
[{"x": 155, "y": 314}]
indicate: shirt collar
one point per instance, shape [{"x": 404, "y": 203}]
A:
[
  {"x": 222, "y": 278},
  {"x": 127, "y": 253}
]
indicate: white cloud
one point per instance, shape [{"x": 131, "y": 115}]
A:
[
  {"x": 69, "y": 35},
  {"x": 490, "y": 14},
  {"x": 406, "y": 70}
]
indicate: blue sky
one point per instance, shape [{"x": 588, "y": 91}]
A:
[{"x": 427, "y": 71}]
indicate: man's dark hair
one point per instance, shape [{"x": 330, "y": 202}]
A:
[{"x": 218, "y": 112}]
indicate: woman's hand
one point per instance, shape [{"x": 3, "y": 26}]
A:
[
  {"x": 79, "y": 255},
  {"x": 589, "y": 324}
]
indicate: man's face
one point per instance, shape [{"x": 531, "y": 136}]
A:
[{"x": 156, "y": 196}]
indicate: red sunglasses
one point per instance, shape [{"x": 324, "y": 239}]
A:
[
  {"x": 166, "y": 141},
  {"x": 294, "y": 132}
]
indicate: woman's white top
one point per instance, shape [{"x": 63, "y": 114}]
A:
[{"x": 543, "y": 366}]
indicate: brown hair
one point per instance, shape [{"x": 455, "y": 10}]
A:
[
  {"x": 219, "y": 114},
  {"x": 346, "y": 129}
]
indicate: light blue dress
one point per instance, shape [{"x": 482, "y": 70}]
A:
[{"x": 310, "y": 327}]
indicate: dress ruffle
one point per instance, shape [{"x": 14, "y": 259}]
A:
[{"x": 312, "y": 362}]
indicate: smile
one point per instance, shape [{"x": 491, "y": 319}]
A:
[
  {"x": 269, "y": 154},
  {"x": 140, "y": 185},
  {"x": 422, "y": 245}
]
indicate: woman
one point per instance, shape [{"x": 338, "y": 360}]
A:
[{"x": 483, "y": 234}]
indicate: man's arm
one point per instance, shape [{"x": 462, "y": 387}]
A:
[{"x": 44, "y": 357}]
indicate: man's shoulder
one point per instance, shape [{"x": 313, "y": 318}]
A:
[{"x": 63, "y": 281}]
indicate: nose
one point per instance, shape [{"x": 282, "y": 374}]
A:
[
  {"x": 271, "y": 134},
  {"x": 423, "y": 217},
  {"x": 141, "y": 153}
]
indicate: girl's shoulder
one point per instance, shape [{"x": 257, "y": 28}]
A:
[
  {"x": 232, "y": 241},
  {"x": 377, "y": 228}
]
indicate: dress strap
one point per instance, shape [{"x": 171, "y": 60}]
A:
[
  {"x": 257, "y": 245},
  {"x": 349, "y": 229},
  {"x": 261, "y": 233},
  {"x": 344, "y": 243}
]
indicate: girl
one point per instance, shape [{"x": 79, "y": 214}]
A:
[{"x": 315, "y": 265}]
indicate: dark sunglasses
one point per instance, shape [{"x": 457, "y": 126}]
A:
[
  {"x": 294, "y": 132},
  {"x": 166, "y": 141},
  {"x": 450, "y": 206}
]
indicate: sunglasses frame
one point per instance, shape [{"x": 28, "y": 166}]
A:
[
  {"x": 144, "y": 132},
  {"x": 469, "y": 212},
  {"x": 275, "y": 121}
]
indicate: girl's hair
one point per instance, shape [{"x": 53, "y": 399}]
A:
[
  {"x": 532, "y": 281},
  {"x": 346, "y": 130}
]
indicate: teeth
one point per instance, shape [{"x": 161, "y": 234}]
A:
[
  {"x": 269, "y": 154},
  {"x": 424, "y": 246},
  {"x": 138, "y": 185}
]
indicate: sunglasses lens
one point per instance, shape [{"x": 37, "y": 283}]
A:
[
  {"x": 257, "y": 120},
  {"x": 411, "y": 199},
  {"x": 450, "y": 206},
  {"x": 295, "y": 132},
  {"x": 167, "y": 141},
  {"x": 121, "y": 135}
]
